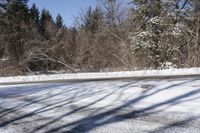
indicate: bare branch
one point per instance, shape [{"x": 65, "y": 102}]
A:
[{"x": 44, "y": 57}]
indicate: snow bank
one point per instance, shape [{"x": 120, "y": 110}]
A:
[{"x": 102, "y": 76}]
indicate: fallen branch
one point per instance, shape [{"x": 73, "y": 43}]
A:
[{"x": 44, "y": 57}]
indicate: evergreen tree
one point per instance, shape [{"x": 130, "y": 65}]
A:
[
  {"x": 16, "y": 14},
  {"x": 35, "y": 15},
  {"x": 2, "y": 13},
  {"x": 93, "y": 20},
  {"x": 59, "y": 21},
  {"x": 44, "y": 20},
  {"x": 97, "y": 19},
  {"x": 86, "y": 20},
  {"x": 156, "y": 31},
  {"x": 18, "y": 9},
  {"x": 147, "y": 17}
]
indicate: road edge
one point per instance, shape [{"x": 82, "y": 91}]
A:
[{"x": 80, "y": 77}]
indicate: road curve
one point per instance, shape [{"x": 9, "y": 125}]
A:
[{"x": 118, "y": 106}]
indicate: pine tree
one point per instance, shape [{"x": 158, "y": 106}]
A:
[
  {"x": 2, "y": 13},
  {"x": 59, "y": 21},
  {"x": 97, "y": 19},
  {"x": 44, "y": 20},
  {"x": 35, "y": 15},
  {"x": 16, "y": 14},
  {"x": 86, "y": 20},
  {"x": 157, "y": 35},
  {"x": 92, "y": 20},
  {"x": 147, "y": 17},
  {"x": 18, "y": 9}
]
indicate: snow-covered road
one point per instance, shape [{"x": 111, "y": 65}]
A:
[{"x": 128, "y": 106}]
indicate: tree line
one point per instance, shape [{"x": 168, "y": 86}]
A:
[{"x": 115, "y": 35}]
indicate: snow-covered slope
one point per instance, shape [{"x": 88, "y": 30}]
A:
[{"x": 106, "y": 75}]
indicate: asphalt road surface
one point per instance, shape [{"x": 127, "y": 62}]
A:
[{"x": 128, "y": 106}]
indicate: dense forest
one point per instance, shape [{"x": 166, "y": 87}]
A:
[{"x": 115, "y": 35}]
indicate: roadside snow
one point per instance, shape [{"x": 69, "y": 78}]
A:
[{"x": 105, "y": 75}]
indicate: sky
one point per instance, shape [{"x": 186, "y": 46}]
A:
[{"x": 67, "y": 8}]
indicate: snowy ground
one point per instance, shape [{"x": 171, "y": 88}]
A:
[
  {"x": 102, "y": 76},
  {"x": 128, "y": 106}
]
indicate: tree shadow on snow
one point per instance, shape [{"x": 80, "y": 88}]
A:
[{"x": 79, "y": 91}]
